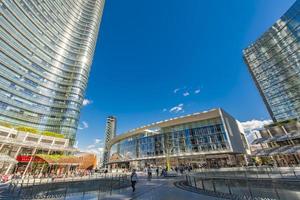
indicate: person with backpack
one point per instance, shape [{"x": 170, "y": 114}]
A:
[{"x": 134, "y": 179}]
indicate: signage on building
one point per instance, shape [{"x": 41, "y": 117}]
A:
[{"x": 28, "y": 158}]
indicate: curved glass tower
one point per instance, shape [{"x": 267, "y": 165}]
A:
[{"x": 46, "y": 52}]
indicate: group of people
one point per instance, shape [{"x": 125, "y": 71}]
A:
[
  {"x": 70, "y": 174},
  {"x": 159, "y": 172}
]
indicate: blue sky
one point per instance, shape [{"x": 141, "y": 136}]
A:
[{"x": 163, "y": 58}]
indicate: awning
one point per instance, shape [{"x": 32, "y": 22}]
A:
[{"x": 59, "y": 159}]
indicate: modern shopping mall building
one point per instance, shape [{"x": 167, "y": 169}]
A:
[{"x": 207, "y": 139}]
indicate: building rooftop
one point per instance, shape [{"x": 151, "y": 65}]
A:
[{"x": 198, "y": 116}]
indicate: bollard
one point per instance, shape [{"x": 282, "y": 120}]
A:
[{"x": 195, "y": 182}]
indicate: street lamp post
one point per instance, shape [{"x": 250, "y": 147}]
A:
[{"x": 168, "y": 151}]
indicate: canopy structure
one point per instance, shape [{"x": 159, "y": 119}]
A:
[
  {"x": 50, "y": 159},
  {"x": 283, "y": 150},
  {"x": 7, "y": 159},
  {"x": 83, "y": 160},
  {"x": 259, "y": 140}
]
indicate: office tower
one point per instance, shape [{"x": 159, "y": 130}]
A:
[
  {"x": 110, "y": 133},
  {"x": 47, "y": 48},
  {"x": 274, "y": 63}
]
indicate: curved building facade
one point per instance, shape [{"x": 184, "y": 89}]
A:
[
  {"x": 46, "y": 52},
  {"x": 212, "y": 138}
]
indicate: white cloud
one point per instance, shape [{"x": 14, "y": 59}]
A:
[
  {"x": 86, "y": 102},
  {"x": 255, "y": 124},
  {"x": 76, "y": 144},
  {"x": 83, "y": 125},
  {"x": 186, "y": 94},
  {"x": 91, "y": 146},
  {"x": 252, "y": 128},
  {"x": 95, "y": 148},
  {"x": 176, "y": 90},
  {"x": 176, "y": 109},
  {"x": 197, "y": 91},
  {"x": 97, "y": 141}
]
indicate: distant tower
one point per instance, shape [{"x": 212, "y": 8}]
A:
[{"x": 110, "y": 133}]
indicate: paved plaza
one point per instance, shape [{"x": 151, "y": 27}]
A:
[{"x": 157, "y": 189}]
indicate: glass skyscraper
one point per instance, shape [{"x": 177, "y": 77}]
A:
[
  {"x": 274, "y": 63},
  {"x": 47, "y": 48}
]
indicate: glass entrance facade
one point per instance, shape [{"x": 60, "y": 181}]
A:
[{"x": 195, "y": 136}]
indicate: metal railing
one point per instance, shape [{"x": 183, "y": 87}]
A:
[
  {"x": 63, "y": 188},
  {"x": 252, "y": 172},
  {"x": 259, "y": 183}
]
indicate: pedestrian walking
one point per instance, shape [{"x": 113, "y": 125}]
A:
[
  {"x": 134, "y": 179},
  {"x": 149, "y": 173}
]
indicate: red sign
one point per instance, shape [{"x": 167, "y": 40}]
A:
[{"x": 28, "y": 158}]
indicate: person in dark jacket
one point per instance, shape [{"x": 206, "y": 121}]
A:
[{"x": 134, "y": 179}]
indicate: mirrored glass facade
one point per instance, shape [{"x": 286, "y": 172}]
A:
[
  {"x": 47, "y": 48},
  {"x": 213, "y": 132},
  {"x": 274, "y": 63},
  {"x": 203, "y": 136}
]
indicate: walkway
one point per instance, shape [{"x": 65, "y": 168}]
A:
[{"x": 157, "y": 189}]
